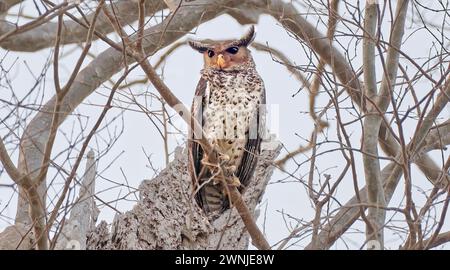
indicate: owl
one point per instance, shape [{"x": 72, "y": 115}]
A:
[{"x": 229, "y": 104}]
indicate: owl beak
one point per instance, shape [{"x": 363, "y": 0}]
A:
[{"x": 221, "y": 61}]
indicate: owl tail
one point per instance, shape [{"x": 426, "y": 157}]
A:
[{"x": 212, "y": 199}]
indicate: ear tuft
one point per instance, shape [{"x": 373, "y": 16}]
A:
[
  {"x": 248, "y": 37},
  {"x": 198, "y": 46}
]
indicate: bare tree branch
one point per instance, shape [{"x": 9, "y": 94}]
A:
[{"x": 43, "y": 35}]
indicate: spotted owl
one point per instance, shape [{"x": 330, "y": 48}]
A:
[{"x": 229, "y": 104}]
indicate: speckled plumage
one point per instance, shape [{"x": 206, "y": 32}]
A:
[
  {"x": 232, "y": 100},
  {"x": 229, "y": 109}
]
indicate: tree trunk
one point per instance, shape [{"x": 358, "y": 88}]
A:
[{"x": 167, "y": 217}]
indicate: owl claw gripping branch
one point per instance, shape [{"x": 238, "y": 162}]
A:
[{"x": 230, "y": 108}]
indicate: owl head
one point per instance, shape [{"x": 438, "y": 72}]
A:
[{"x": 225, "y": 55}]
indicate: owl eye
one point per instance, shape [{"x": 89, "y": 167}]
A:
[
  {"x": 233, "y": 50},
  {"x": 210, "y": 53}
]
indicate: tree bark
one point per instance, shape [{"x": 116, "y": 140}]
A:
[{"x": 167, "y": 217}]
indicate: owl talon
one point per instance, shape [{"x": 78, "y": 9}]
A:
[
  {"x": 235, "y": 182},
  {"x": 225, "y": 157},
  {"x": 204, "y": 161}
]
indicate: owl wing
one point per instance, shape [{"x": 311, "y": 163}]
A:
[
  {"x": 194, "y": 148},
  {"x": 252, "y": 148}
]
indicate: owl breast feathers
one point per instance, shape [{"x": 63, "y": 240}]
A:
[{"x": 229, "y": 103}]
